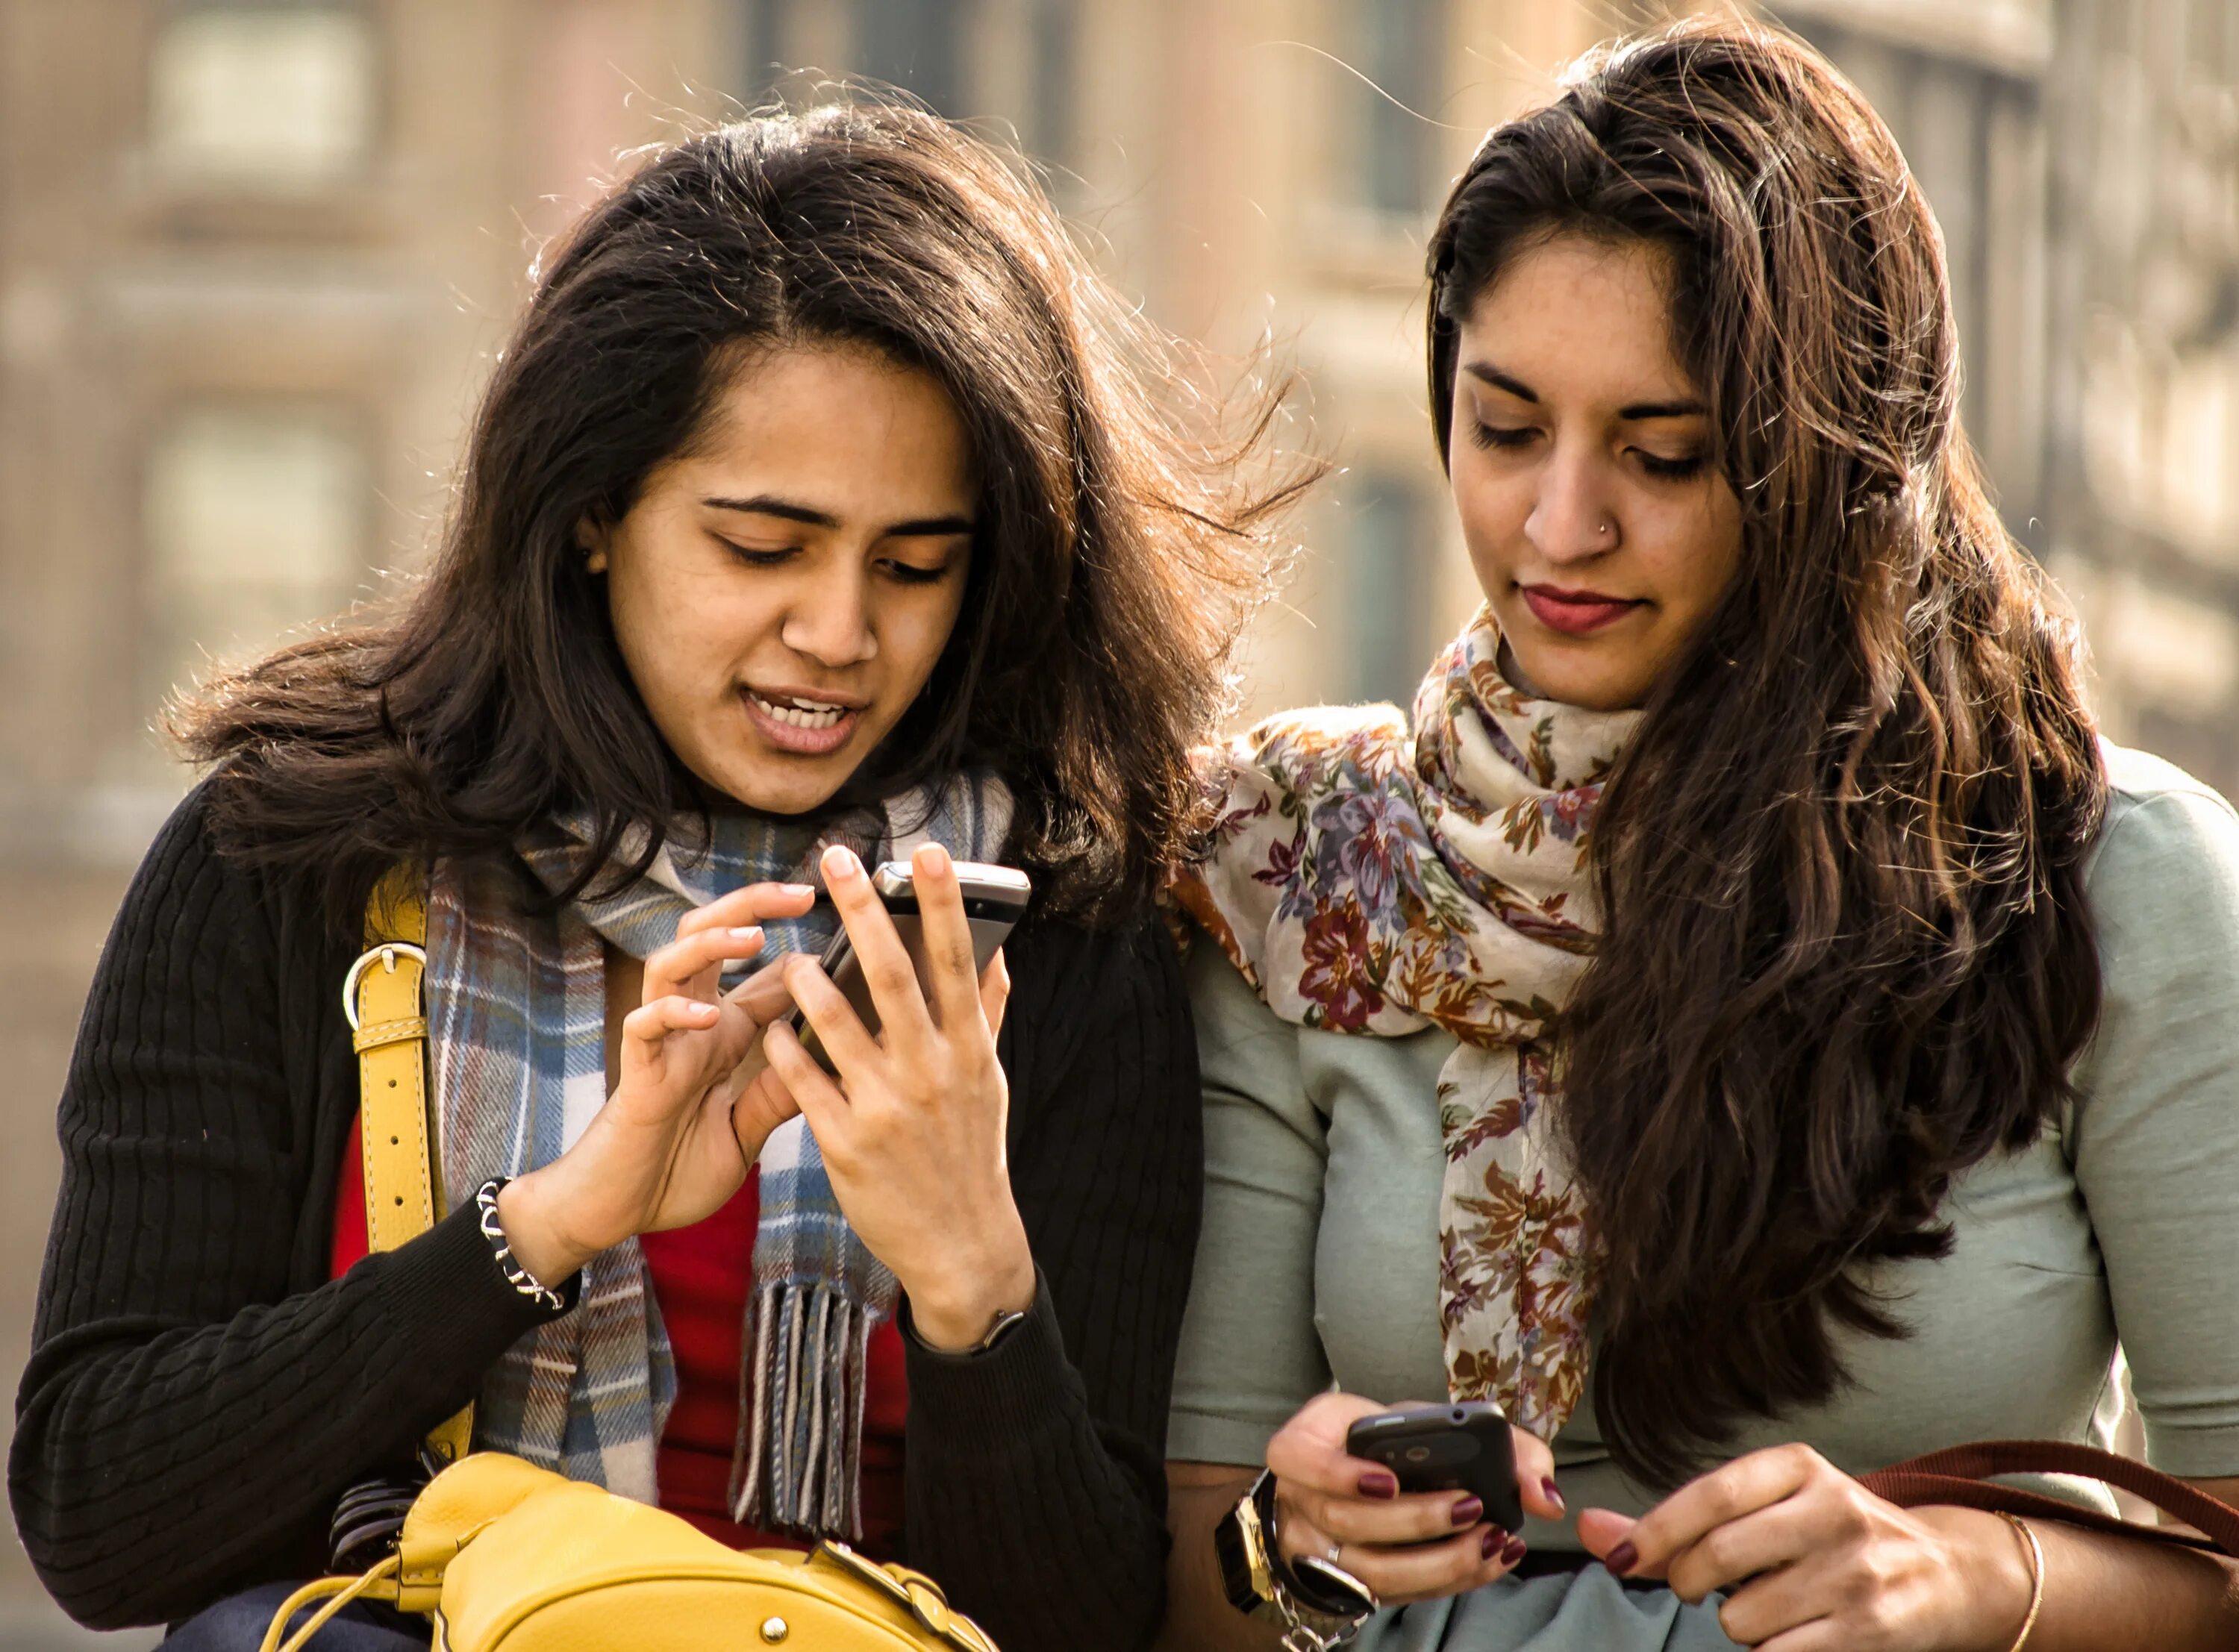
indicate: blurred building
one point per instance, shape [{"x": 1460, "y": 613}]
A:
[
  {"x": 255, "y": 255},
  {"x": 2082, "y": 156}
]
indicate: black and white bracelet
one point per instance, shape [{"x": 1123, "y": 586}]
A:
[{"x": 558, "y": 1302}]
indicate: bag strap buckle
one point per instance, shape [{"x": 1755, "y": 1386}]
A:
[{"x": 386, "y": 955}]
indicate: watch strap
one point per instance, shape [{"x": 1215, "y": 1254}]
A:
[{"x": 1314, "y": 1615}]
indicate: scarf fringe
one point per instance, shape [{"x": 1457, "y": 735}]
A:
[{"x": 796, "y": 1464}]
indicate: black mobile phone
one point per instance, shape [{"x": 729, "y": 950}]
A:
[
  {"x": 995, "y": 900},
  {"x": 1461, "y": 1446}
]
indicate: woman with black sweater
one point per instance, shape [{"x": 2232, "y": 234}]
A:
[{"x": 817, "y": 515}]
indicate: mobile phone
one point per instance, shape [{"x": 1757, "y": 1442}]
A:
[
  {"x": 995, "y": 900},
  {"x": 1460, "y": 1446}
]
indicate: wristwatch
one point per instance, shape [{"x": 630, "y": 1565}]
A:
[{"x": 1319, "y": 1603}]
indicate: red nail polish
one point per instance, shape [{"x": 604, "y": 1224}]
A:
[
  {"x": 1494, "y": 1537},
  {"x": 1513, "y": 1551},
  {"x": 1547, "y": 1486},
  {"x": 1466, "y": 1511},
  {"x": 1622, "y": 1559},
  {"x": 1379, "y": 1485}
]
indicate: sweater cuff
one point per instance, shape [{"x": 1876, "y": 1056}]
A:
[
  {"x": 987, "y": 1403},
  {"x": 451, "y": 1304}
]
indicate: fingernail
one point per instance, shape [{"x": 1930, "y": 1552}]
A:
[
  {"x": 936, "y": 856},
  {"x": 1466, "y": 1511},
  {"x": 797, "y": 889},
  {"x": 1379, "y": 1485},
  {"x": 1547, "y": 1487},
  {"x": 840, "y": 862},
  {"x": 1494, "y": 1537},
  {"x": 1512, "y": 1551},
  {"x": 749, "y": 934},
  {"x": 1622, "y": 1559}
]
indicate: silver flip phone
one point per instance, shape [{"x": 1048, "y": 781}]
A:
[{"x": 995, "y": 900}]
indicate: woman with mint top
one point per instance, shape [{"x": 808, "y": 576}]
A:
[
  {"x": 1749, "y": 1026},
  {"x": 817, "y": 513}
]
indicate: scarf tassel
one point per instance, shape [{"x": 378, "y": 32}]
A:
[{"x": 796, "y": 1465}]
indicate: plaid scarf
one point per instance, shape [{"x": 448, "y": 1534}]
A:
[
  {"x": 1374, "y": 881},
  {"x": 516, "y": 1015}
]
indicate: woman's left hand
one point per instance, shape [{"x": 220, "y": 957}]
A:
[
  {"x": 1813, "y": 1561},
  {"x": 912, "y": 1131}
]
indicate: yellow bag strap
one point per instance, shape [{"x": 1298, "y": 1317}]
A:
[{"x": 389, "y": 1027}]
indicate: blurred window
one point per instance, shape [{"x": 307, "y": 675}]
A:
[
  {"x": 1052, "y": 132},
  {"x": 271, "y": 93},
  {"x": 915, "y": 44},
  {"x": 1395, "y": 44},
  {"x": 765, "y": 49},
  {"x": 255, "y": 523},
  {"x": 1385, "y": 586}
]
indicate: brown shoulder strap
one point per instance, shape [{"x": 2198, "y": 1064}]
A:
[
  {"x": 389, "y": 1027},
  {"x": 1961, "y": 1474}
]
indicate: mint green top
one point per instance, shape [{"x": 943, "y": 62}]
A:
[{"x": 1318, "y": 1259}]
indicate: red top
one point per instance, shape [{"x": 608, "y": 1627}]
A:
[{"x": 702, "y": 1277}]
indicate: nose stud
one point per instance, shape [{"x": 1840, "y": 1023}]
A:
[{"x": 1605, "y": 529}]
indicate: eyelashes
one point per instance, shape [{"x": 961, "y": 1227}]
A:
[
  {"x": 900, "y": 572},
  {"x": 1493, "y": 435},
  {"x": 911, "y": 574},
  {"x": 1509, "y": 437}
]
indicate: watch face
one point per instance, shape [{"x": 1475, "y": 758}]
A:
[
  {"x": 1330, "y": 1589},
  {"x": 1237, "y": 1579}
]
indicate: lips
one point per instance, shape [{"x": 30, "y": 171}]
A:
[
  {"x": 798, "y": 725},
  {"x": 1575, "y": 613}
]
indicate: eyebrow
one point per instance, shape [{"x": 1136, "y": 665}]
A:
[
  {"x": 1523, "y": 392},
  {"x": 769, "y": 505}
]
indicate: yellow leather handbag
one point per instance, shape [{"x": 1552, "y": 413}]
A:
[{"x": 505, "y": 1556}]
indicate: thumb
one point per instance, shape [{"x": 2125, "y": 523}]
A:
[
  {"x": 995, "y": 992},
  {"x": 764, "y": 1102}
]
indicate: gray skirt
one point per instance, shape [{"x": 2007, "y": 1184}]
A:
[{"x": 1583, "y": 1611}]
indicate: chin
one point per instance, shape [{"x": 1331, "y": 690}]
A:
[
  {"x": 778, "y": 785},
  {"x": 1574, "y": 681}
]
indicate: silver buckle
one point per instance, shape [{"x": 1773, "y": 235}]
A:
[{"x": 385, "y": 955}]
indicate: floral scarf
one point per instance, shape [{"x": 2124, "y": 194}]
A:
[{"x": 1369, "y": 880}]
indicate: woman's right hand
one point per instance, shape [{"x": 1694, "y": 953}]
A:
[
  {"x": 675, "y": 1140},
  {"x": 1405, "y": 1546}
]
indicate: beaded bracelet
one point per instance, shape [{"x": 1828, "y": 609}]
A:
[
  {"x": 2035, "y": 1551},
  {"x": 544, "y": 1296}
]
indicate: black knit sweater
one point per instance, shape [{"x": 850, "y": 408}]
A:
[{"x": 199, "y": 1391}]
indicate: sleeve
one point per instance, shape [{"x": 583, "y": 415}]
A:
[
  {"x": 185, "y": 1421},
  {"x": 1034, "y": 1474},
  {"x": 2156, "y": 1147},
  {"x": 1250, "y": 1354}
]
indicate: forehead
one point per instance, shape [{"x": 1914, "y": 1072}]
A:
[
  {"x": 1582, "y": 320},
  {"x": 841, "y": 421}
]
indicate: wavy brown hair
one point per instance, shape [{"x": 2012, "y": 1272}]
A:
[
  {"x": 1847, "y": 950},
  {"x": 1120, "y": 541}
]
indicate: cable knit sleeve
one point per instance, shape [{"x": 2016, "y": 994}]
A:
[
  {"x": 196, "y": 1397},
  {"x": 1036, "y": 1473}
]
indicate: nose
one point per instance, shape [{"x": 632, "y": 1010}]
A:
[
  {"x": 1571, "y": 519},
  {"x": 829, "y": 620}
]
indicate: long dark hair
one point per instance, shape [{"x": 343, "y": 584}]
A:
[
  {"x": 1116, "y": 553},
  {"x": 1847, "y": 952}
]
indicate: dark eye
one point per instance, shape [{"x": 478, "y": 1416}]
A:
[
  {"x": 1495, "y": 435},
  {"x": 754, "y": 558},
  {"x": 1672, "y": 469},
  {"x": 911, "y": 574}
]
